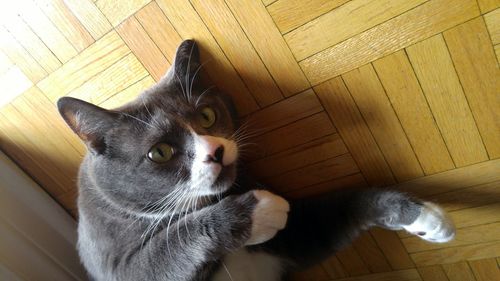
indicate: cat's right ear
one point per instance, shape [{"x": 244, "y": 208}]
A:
[{"x": 88, "y": 121}]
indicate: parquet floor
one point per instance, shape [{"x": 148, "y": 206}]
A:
[{"x": 344, "y": 93}]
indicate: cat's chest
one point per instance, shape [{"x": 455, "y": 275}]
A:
[{"x": 245, "y": 266}]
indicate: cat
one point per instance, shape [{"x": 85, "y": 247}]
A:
[{"x": 162, "y": 195}]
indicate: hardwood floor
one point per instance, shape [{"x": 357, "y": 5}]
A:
[{"x": 344, "y": 93}]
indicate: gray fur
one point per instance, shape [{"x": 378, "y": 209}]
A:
[{"x": 130, "y": 226}]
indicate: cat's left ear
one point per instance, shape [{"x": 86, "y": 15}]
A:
[
  {"x": 88, "y": 121},
  {"x": 186, "y": 63}
]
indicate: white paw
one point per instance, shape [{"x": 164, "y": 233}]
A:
[
  {"x": 269, "y": 216},
  {"x": 432, "y": 225}
]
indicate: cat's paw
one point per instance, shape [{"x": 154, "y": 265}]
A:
[
  {"x": 269, "y": 216},
  {"x": 432, "y": 224}
]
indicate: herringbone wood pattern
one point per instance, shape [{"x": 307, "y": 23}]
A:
[{"x": 344, "y": 93}]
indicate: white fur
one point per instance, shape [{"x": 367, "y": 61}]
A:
[
  {"x": 203, "y": 173},
  {"x": 434, "y": 222},
  {"x": 269, "y": 216},
  {"x": 242, "y": 265}
]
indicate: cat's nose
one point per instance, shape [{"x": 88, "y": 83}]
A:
[{"x": 216, "y": 155}]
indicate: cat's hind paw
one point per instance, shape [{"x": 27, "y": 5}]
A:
[
  {"x": 269, "y": 216},
  {"x": 433, "y": 224}
]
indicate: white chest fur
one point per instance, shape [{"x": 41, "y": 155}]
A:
[{"x": 245, "y": 266}]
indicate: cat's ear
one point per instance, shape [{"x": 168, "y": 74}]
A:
[
  {"x": 186, "y": 62},
  {"x": 88, "y": 121}
]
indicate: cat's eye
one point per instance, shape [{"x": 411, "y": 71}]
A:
[
  {"x": 207, "y": 117},
  {"x": 160, "y": 153}
]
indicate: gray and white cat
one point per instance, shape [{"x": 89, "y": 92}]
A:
[{"x": 160, "y": 197}]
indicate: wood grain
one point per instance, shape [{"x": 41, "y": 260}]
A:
[
  {"x": 262, "y": 32},
  {"x": 475, "y": 196},
  {"x": 352, "y": 181},
  {"x": 159, "y": 29},
  {"x": 392, "y": 248},
  {"x": 422, "y": 22},
  {"x": 117, "y": 13},
  {"x": 14, "y": 83},
  {"x": 114, "y": 79},
  {"x": 21, "y": 57},
  {"x": 432, "y": 273},
  {"x": 351, "y": 261},
  {"x": 370, "y": 97},
  {"x": 341, "y": 108},
  {"x": 493, "y": 22},
  {"x": 136, "y": 38},
  {"x": 290, "y": 14},
  {"x": 334, "y": 268},
  {"x": 189, "y": 25},
  {"x": 66, "y": 22},
  {"x": 459, "y": 271},
  {"x": 456, "y": 254},
  {"x": 371, "y": 254},
  {"x": 95, "y": 59},
  {"x": 402, "y": 275},
  {"x": 447, "y": 101},
  {"x": 488, "y": 5},
  {"x": 344, "y": 22},
  {"x": 128, "y": 94},
  {"x": 410, "y": 105},
  {"x": 238, "y": 49},
  {"x": 485, "y": 270},
  {"x": 474, "y": 60},
  {"x": 90, "y": 16}
]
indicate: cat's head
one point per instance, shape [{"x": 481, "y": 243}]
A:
[{"x": 175, "y": 140}]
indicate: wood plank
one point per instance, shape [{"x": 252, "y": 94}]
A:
[
  {"x": 299, "y": 156},
  {"x": 493, "y": 22},
  {"x": 114, "y": 79},
  {"x": 14, "y": 83},
  {"x": 5, "y": 63},
  {"x": 284, "y": 112},
  {"x": 352, "y": 181},
  {"x": 341, "y": 108},
  {"x": 238, "y": 49},
  {"x": 477, "y": 174},
  {"x": 188, "y": 24},
  {"x": 46, "y": 30},
  {"x": 90, "y": 16},
  {"x": 117, "y": 13},
  {"x": 465, "y": 236},
  {"x": 370, "y": 97},
  {"x": 458, "y": 272},
  {"x": 432, "y": 273},
  {"x": 159, "y": 29},
  {"x": 497, "y": 51},
  {"x": 395, "y": 34},
  {"x": 475, "y": 196},
  {"x": 436, "y": 73},
  {"x": 48, "y": 120},
  {"x": 410, "y": 105},
  {"x": 393, "y": 249},
  {"x": 95, "y": 59},
  {"x": 402, "y": 275},
  {"x": 18, "y": 55},
  {"x": 268, "y": 2},
  {"x": 346, "y": 21},
  {"x": 68, "y": 201},
  {"x": 488, "y": 5},
  {"x": 128, "y": 94},
  {"x": 136, "y": 38},
  {"x": 329, "y": 169},
  {"x": 456, "y": 254},
  {"x": 297, "y": 133},
  {"x": 262, "y": 32},
  {"x": 290, "y": 14},
  {"x": 352, "y": 261},
  {"x": 66, "y": 22},
  {"x": 334, "y": 268},
  {"x": 371, "y": 254},
  {"x": 485, "y": 270},
  {"x": 476, "y": 216},
  {"x": 30, "y": 41},
  {"x": 477, "y": 68}
]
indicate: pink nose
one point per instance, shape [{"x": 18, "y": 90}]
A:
[{"x": 213, "y": 148}]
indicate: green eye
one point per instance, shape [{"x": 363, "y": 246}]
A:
[
  {"x": 160, "y": 153},
  {"x": 207, "y": 117}
]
